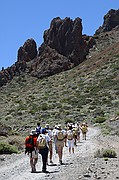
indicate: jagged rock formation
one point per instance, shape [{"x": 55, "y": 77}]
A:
[
  {"x": 49, "y": 62},
  {"x": 7, "y": 74},
  {"x": 65, "y": 36},
  {"x": 64, "y": 47},
  {"x": 28, "y": 51},
  {"x": 111, "y": 20}
]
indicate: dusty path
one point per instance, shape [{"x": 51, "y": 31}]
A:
[{"x": 76, "y": 166}]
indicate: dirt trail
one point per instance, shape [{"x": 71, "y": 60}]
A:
[{"x": 16, "y": 167}]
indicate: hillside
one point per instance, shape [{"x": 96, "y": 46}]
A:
[
  {"x": 88, "y": 91},
  {"x": 61, "y": 85},
  {"x": 82, "y": 93}
]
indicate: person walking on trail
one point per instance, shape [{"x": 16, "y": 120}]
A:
[
  {"x": 84, "y": 129},
  {"x": 43, "y": 148},
  {"x": 55, "y": 138},
  {"x": 70, "y": 139},
  {"x": 65, "y": 137},
  {"x": 78, "y": 131},
  {"x": 50, "y": 133},
  {"x": 59, "y": 135},
  {"x": 75, "y": 132},
  {"x": 31, "y": 149}
]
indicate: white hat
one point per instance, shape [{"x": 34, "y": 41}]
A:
[
  {"x": 47, "y": 126},
  {"x": 59, "y": 126},
  {"x": 33, "y": 132}
]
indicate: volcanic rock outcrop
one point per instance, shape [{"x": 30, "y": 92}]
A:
[
  {"x": 65, "y": 36},
  {"x": 64, "y": 47},
  {"x": 111, "y": 20},
  {"x": 28, "y": 51}
]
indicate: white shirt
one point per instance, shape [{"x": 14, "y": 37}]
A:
[{"x": 50, "y": 133}]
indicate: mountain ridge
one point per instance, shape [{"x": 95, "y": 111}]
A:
[{"x": 87, "y": 91}]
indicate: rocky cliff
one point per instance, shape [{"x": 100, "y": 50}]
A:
[
  {"x": 111, "y": 20},
  {"x": 64, "y": 47}
]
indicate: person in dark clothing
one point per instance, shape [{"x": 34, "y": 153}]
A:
[
  {"x": 38, "y": 128},
  {"x": 43, "y": 147}
]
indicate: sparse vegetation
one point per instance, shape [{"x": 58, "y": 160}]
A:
[
  {"x": 17, "y": 141},
  {"x": 89, "y": 91},
  {"x": 105, "y": 153},
  {"x": 106, "y": 130},
  {"x": 6, "y": 148},
  {"x": 100, "y": 119}
]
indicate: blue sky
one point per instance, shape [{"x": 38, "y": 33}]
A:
[{"x": 24, "y": 19}]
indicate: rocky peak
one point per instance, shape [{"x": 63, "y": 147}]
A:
[
  {"x": 111, "y": 20},
  {"x": 28, "y": 51},
  {"x": 63, "y": 48},
  {"x": 65, "y": 36}
]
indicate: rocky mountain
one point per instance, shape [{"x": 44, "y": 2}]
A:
[
  {"x": 70, "y": 77},
  {"x": 111, "y": 20},
  {"x": 64, "y": 47}
]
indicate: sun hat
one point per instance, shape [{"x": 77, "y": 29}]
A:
[
  {"x": 33, "y": 132},
  {"x": 59, "y": 126}
]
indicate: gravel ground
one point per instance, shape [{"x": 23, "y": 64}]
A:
[{"x": 80, "y": 165}]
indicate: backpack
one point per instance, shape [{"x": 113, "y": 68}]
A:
[
  {"x": 41, "y": 142},
  {"x": 29, "y": 144},
  {"x": 75, "y": 130},
  {"x": 60, "y": 135},
  {"x": 84, "y": 129},
  {"x": 69, "y": 135}
]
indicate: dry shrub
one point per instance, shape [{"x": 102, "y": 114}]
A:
[
  {"x": 106, "y": 153},
  {"x": 18, "y": 141},
  {"x": 6, "y": 148}
]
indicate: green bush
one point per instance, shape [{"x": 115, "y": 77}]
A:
[
  {"x": 106, "y": 153},
  {"x": 44, "y": 106},
  {"x": 118, "y": 113},
  {"x": 100, "y": 119},
  {"x": 109, "y": 153},
  {"x": 6, "y": 148}
]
